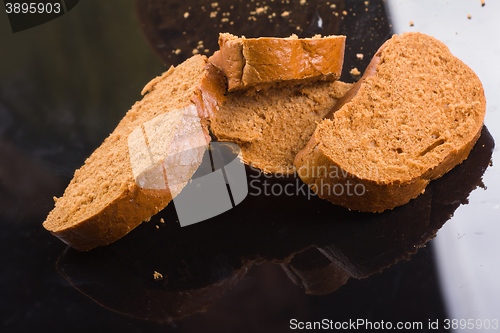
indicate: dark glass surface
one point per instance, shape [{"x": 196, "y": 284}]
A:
[{"x": 66, "y": 84}]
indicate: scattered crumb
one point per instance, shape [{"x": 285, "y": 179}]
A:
[
  {"x": 157, "y": 276},
  {"x": 336, "y": 14},
  {"x": 355, "y": 71},
  {"x": 260, "y": 10},
  {"x": 206, "y": 50},
  {"x": 344, "y": 12},
  {"x": 333, "y": 6},
  {"x": 162, "y": 220},
  {"x": 482, "y": 3},
  {"x": 303, "y": 2},
  {"x": 186, "y": 14},
  {"x": 195, "y": 51},
  {"x": 213, "y": 14},
  {"x": 366, "y": 3},
  {"x": 225, "y": 19},
  {"x": 298, "y": 27},
  {"x": 469, "y": 16},
  {"x": 285, "y": 14},
  {"x": 157, "y": 227},
  {"x": 214, "y": 4},
  {"x": 360, "y": 56},
  {"x": 411, "y": 23},
  {"x": 178, "y": 51}
]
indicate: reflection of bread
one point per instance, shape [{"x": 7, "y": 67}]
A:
[
  {"x": 315, "y": 272},
  {"x": 264, "y": 62},
  {"x": 273, "y": 125},
  {"x": 103, "y": 202},
  {"x": 413, "y": 119}
]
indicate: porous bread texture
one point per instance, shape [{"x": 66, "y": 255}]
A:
[
  {"x": 273, "y": 125},
  {"x": 416, "y": 118},
  {"x": 264, "y": 62},
  {"x": 102, "y": 203}
]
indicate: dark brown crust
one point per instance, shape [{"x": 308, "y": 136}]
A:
[
  {"x": 267, "y": 62},
  {"x": 378, "y": 195},
  {"x": 135, "y": 205}
]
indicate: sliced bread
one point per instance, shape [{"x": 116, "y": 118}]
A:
[
  {"x": 264, "y": 62},
  {"x": 273, "y": 125},
  {"x": 412, "y": 118},
  {"x": 116, "y": 189}
]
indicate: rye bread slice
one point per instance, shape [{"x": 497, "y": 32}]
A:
[
  {"x": 271, "y": 126},
  {"x": 116, "y": 190},
  {"x": 415, "y": 116},
  {"x": 260, "y": 63}
]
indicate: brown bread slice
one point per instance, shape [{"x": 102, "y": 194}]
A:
[
  {"x": 273, "y": 125},
  {"x": 104, "y": 201},
  {"x": 264, "y": 62},
  {"x": 415, "y": 116}
]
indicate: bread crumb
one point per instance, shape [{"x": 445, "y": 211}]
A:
[
  {"x": 162, "y": 220},
  {"x": 344, "y": 12},
  {"x": 355, "y": 71},
  {"x": 285, "y": 14},
  {"x": 157, "y": 227},
  {"x": 333, "y": 6},
  {"x": 366, "y": 3},
  {"x": 157, "y": 276},
  {"x": 482, "y": 3},
  {"x": 148, "y": 219},
  {"x": 214, "y": 4},
  {"x": 261, "y": 10},
  {"x": 225, "y": 19},
  {"x": 206, "y": 50},
  {"x": 195, "y": 51},
  {"x": 213, "y": 14},
  {"x": 186, "y": 14},
  {"x": 360, "y": 56},
  {"x": 411, "y": 23},
  {"x": 303, "y": 2},
  {"x": 178, "y": 51},
  {"x": 469, "y": 16}
]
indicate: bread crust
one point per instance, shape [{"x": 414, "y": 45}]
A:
[
  {"x": 379, "y": 194},
  {"x": 134, "y": 204},
  {"x": 264, "y": 62}
]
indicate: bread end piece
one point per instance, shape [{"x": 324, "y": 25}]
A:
[{"x": 261, "y": 63}]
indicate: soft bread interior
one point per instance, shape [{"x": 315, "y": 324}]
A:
[
  {"x": 108, "y": 171},
  {"x": 273, "y": 125},
  {"x": 421, "y": 106}
]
